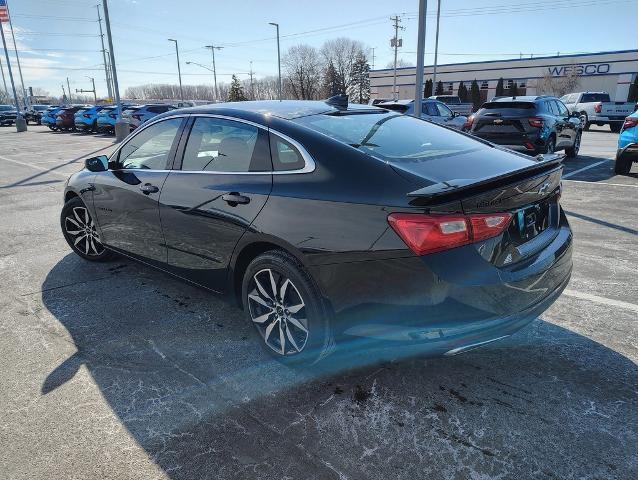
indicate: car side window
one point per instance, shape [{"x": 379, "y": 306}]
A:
[
  {"x": 220, "y": 145},
  {"x": 551, "y": 107},
  {"x": 285, "y": 155},
  {"x": 150, "y": 148},
  {"x": 429, "y": 108},
  {"x": 444, "y": 111},
  {"x": 562, "y": 109}
]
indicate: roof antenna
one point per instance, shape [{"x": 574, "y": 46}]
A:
[{"x": 338, "y": 101}]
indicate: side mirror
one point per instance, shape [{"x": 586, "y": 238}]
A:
[
  {"x": 97, "y": 164},
  {"x": 455, "y": 114}
]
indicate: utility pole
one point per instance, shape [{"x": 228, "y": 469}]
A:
[
  {"x": 420, "y": 59},
  {"x": 68, "y": 89},
  {"x": 15, "y": 47},
  {"x": 373, "y": 49},
  {"x": 21, "y": 124},
  {"x": 106, "y": 67},
  {"x": 179, "y": 71},
  {"x": 396, "y": 43},
  {"x": 276, "y": 25},
  {"x": 212, "y": 51},
  {"x": 89, "y": 91},
  {"x": 436, "y": 43},
  {"x": 252, "y": 87},
  {"x": 121, "y": 126},
  {"x": 64, "y": 97}
]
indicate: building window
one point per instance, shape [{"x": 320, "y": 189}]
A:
[
  {"x": 484, "y": 85},
  {"x": 450, "y": 87},
  {"x": 522, "y": 83}
]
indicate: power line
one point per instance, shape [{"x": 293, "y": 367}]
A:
[{"x": 53, "y": 17}]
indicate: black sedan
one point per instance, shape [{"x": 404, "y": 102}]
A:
[
  {"x": 531, "y": 124},
  {"x": 329, "y": 222},
  {"x": 8, "y": 114}
]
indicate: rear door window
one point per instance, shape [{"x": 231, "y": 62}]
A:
[
  {"x": 594, "y": 97},
  {"x": 429, "y": 108},
  {"x": 220, "y": 145},
  {"x": 562, "y": 109}
]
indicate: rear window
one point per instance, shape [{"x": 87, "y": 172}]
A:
[
  {"x": 40, "y": 107},
  {"x": 392, "y": 137},
  {"x": 397, "y": 107},
  {"x": 4, "y": 108},
  {"x": 128, "y": 111},
  {"x": 82, "y": 110},
  {"x": 449, "y": 100},
  {"x": 514, "y": 105},
  {"x": 594, "y": 97}
]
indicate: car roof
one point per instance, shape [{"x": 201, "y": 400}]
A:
[{"x": 286, "y": 109}]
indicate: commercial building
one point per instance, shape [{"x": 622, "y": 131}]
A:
[{"x": 611, "y": 72}]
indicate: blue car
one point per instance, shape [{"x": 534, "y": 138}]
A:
[
  {"x": 49, "y": 117},
  {"x": 86, "y": 119},
  {"x": 627, "y": 145},
  {"x": 106, "y": 118}
]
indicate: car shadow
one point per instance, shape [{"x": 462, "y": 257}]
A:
[{"x": 184, "y": 373}]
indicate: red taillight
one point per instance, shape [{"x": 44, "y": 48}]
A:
[
  {"x": 535, "y": 122},
  {"x": 468, "y": 123},
  {"x": 598, "y": 107},
  {"x": 425, "y": 234},
  {"x": 630, "y": 122}
]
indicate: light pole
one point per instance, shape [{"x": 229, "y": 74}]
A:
[
  {"x": 121, "y": 126},
  {"x": 179, "y": 71},
  {"x": 436, "y": 44},
  {"x": 420, "y": 54},
  {"x": 276, "y": 25},
  {"x": 106, "y": 66},
  {"x": 21, "y": 124},
  {"x": 212, "y": 51}
]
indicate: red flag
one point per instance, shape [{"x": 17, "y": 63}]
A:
[{"x": 4, "y": 12}]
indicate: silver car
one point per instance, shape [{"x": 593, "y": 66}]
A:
[
  {"x": 431, "y": 110},
  {"x": 139, "y": 114}
]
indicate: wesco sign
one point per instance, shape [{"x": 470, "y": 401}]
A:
[{"x": 583, "y": 69}]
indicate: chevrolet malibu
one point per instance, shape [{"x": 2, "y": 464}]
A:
[{"x": 329, "y": 222}]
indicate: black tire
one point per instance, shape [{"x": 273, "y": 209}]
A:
[
  {"x": 572, "y": 152},
  {"x": 615, "y": 127},
  {"x": 622, "y": 166},
  {"x": 75, "y": 217},
  {"x": 299, "y": 346},
  {"x": 584, "y": 120}
]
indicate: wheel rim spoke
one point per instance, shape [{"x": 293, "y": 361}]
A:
[
  {"x": 78, "y": 239},
  {"x": 263, "y": 318},
  {"x": 269, "y": 329},
  {"x": 282, "y": 340},
  {"x": 297, "y": 324},
  {"x": 296, "y": 308},
  {"x": 77, "y": 217},
  {"x": 69, "y": 219},
  {"x": 282, "y": 290},
  {"x": 259, "y": 300},
  {"x": 261, "y": 289},
  {"x": 291, "y": 338},
  {"x": 273, "y": 284}
]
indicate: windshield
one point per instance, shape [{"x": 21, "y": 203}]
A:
[
  {"x": 390, "y": 136},
  {"x": 40, "y": 107},
  {"x": 4, "y": 108},
  {"x": 595, "y": 97}
]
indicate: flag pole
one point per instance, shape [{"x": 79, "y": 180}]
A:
[
  {"x": 21, "y": 125},
  {"x": 15, "y": 47}
]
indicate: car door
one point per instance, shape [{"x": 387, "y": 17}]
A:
[
  {"x": 563, "y": 137},
  {"x": 212, "y": 196},
  {"x": 430, "y": 112},
  {"x": 125, "y": 197},
  {"x": 570, "y": 129},
  {"x": 445, "y": 114}
]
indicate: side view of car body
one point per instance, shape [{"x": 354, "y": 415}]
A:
[
  {"x": 597, "y": 108},
  {"x": 65, "y": 118},
  {"x": 330, "y": 222},
  {"x": 106, "y": 118},
  {"x": 627, "y": 152},
  {"x": 35, "y": 112},
  {"x": 455, "y": 104},
  {"x": 139, "y": 114},
  {"x": 49, "y": 117},
  {"x": 530, "y": 124},
  {"x": 431, "y": 110},
  {"x": 8, "y": 114},
  {"x": 86, "y": 118}
]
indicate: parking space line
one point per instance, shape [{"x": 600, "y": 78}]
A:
[
  {"x": 571, "y": 174},
  {"x": 48, "y": 170},
  {"x": 604, "y": 183},
  {"x": 601, "y": 300}
]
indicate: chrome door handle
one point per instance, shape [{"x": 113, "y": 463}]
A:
[
  {"x": 233, "y": 199},
  {"x": 147, "y": 188}
]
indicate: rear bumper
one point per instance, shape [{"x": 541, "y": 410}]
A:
[
  {"x": 531, "y": 144},
  {"x": 448, "y": 301}
]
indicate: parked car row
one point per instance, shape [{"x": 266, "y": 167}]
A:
[{"x": 98, "y": 118}]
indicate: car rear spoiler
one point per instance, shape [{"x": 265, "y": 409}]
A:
[{"x": 454, "y": 186}]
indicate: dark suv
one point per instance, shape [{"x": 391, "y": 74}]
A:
[{"x": 531, "y": 124}]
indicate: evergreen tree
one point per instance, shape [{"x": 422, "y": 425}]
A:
[
  {"x": 330, "y": 83},
  {"x": 500, "y": 90},
  {"x": 236, "y": 91},
  {"x": 513, "y": 90},
  {"x": 633, "y": 91},
  {"x": 359, "y": 90},
  {"x": 462, "y": 92},
  {"x": 475, "y": 95},
  {"x": 439, "y": 88},
  {"x": 427, "y": 90}
]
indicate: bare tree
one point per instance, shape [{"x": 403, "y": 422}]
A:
[
  {"x": 401, "y": 63},
  {"x": 342, "y": 52},
  {"x": 558, "y": 86},
  {"x": 302, "y": 65}
]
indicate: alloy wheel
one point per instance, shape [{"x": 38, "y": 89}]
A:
[
  {"x": 81, "y": 230},
  {"x": 278, "y": 311}
]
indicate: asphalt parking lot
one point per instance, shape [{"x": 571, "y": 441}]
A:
[{"x": 117, "y": 371}]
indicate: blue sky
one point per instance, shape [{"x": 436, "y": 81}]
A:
[{"x": 59, "y": 38}]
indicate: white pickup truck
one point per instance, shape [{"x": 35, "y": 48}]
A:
[
  {"x": 455, "y": 104},
  {"x": 597, "y": 107}
]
